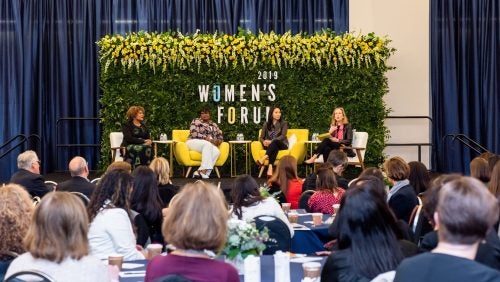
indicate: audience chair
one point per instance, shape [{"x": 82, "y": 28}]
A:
[
  {"x": 52, "y": 185},
  {"x": 297, "y": 147},
  {"x": 36, "y": 201},
  {"x": 95, "y": 180},
  {"x": 29, "y": 275},
  {"x": 188, "y": 158},
  {"x": 304, "y": 198},
  {"x": 115, "y": 142},
  {"x": 281, "y": 240},
  {"x": 82, "y": 197}
]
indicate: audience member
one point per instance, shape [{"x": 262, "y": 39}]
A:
[
  {"x": 109, "y": 213},
  {"x": 79, "y": 182},
  {"x": 370, "y": 171},
  {"x": 494, "y": 185},
  {"x": 367, "y": 240},
  {"x": 273, "y": 138},
  {"x": 205, "y": 137},
  {"x": 419, "y": 177},
  {"x": 56, "y": 242},
  {"x": 339, "y": 161},
  {"x": 492, "y": 161},
  {"x": 146, "y": 202},
  {"x": 248, "y": 203},
  {"x": 136, "y": 138},
  {"x": 401, "y": 198},
  {"x": 119, "y": 165},
  {"x": 16, "y": 208},
  {"x": 196, "y": 226},
  {"x": 465, "y": 212},
  {"x": 167, "y": 190},
  {"x": 489, "y": 249},
  {"x": 327, "y": 193},
  {"x": 286, "y": 180},
  {"x": 28, "y": 174},
  {"x": 479, "y": 169}
]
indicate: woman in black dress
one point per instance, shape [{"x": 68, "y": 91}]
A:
[{"x": 136, "y": 138}]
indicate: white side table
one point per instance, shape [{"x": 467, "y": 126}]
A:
[{"x": 232, "y": 151}]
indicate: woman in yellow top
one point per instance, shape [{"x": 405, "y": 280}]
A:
[{"x": 340, "y": 134}]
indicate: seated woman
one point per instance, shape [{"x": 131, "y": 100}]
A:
[
  {"x": 340, "y": 134},
  {"x": 401, "y": 198},
  {"x": 136, "y": 138},
  {"x": 205, "y": 137},
  {"x": 367, "y": 241},
  {"x": 248, "y": 203},
  {"x": 327, "y": 193},
  {"x": 419, "y": 177},
  {"x": 286, "y": 180},
  {"x": 57, "y": 242},
  {"x": 196, "y": 227},
  {"x": 480, "y": 169},
  {"x": 146, "y": 206},
  {"x": 109, "y": 214},
  {"x": 273, "y": 138},
  {"x": 16, "y": 209},
  {"x": 167, "y": 190}
]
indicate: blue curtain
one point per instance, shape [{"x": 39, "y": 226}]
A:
[
  {"x": 465, "y": 77},
  {"x": 49, "y": 68}
]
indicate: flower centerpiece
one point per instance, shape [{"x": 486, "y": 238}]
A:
[
  {"x": 243, "y": 239},
  {"x": 265, "y": 192}
]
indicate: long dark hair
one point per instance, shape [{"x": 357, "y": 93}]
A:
[
  {"x": 145, "y": 196},
  {"x": 245, "y": 192},
  {"x": 114, "y": 187},
  {"x": 419, "y": 177},
  {"x": 286, "y": 171},
  {"x": 367, "y": 227},
  {"x": 270, "y": 117}
]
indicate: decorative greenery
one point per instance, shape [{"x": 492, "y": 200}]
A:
[
  {"x": 311, "y": 75},
  {"x": 244, "y": 239}
]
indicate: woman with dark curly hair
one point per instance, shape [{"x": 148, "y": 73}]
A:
[
  {"x": 136, "y": 138},
  {"x": 109, "y": 215},
  {"x": 16, "y": 208}
]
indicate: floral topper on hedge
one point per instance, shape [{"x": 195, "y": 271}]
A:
[
  {"x": 245, "y": 239},
  {"x": 176, "y": 50}
]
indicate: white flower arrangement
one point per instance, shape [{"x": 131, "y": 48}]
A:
[{"x": 244, "y": 239}]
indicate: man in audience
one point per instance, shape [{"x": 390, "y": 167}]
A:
[
  {"x": 28, "y": 174},
  {"x": 339, "y": 161},
  {"x": 464, "y": 213},
  {"x": 79, "y": 182}
]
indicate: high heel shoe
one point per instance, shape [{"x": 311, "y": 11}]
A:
[
  {"x": 269, "y": 171},
  {"x": 259, "y": 163}
]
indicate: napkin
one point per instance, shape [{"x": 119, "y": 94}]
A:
[{"x": 252, "y": 269}]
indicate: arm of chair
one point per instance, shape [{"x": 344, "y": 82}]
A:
[
  {"x": 358, "y": 154},
  {"x": 224, "y": 154},
  {"x": 298, "y": 151},
  {"x": 256, "y": 147},
  {"x": 181, "y": 152}
]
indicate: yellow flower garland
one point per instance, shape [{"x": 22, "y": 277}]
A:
[{"x": 175, "y": 50}]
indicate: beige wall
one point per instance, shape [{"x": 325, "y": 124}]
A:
[{"x": 406, "y": 23}]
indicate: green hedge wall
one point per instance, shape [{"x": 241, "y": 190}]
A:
[{"x": 307, "y": 95}]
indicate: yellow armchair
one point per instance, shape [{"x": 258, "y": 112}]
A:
[
  {"x": 188, "y": 158},
  {"x": 297, "y": 150}
]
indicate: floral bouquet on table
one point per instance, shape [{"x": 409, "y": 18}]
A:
[
  {"x": 265, "y": 192},
  {"x": 243, "y": 239}
]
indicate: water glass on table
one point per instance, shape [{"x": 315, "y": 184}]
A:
[
  {"x": 154, "y": 250},
  {"x": 116, "y": 259},
  {"x": 286, "y": 207},
  {"x": 293, "y": 217},
  {"x": 312, "y": 271},
  {"x": 317, "y": 218}
]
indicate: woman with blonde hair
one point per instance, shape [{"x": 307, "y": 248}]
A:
[
  {"x": 16, "y": 208},
  {"x": 56, "y": 242},
  {"x": 340, "y": 134},
  {"x": 196, "y": 228},
  {"x": 167, "y": 190},
  {"x": 286, "y": 180}
]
